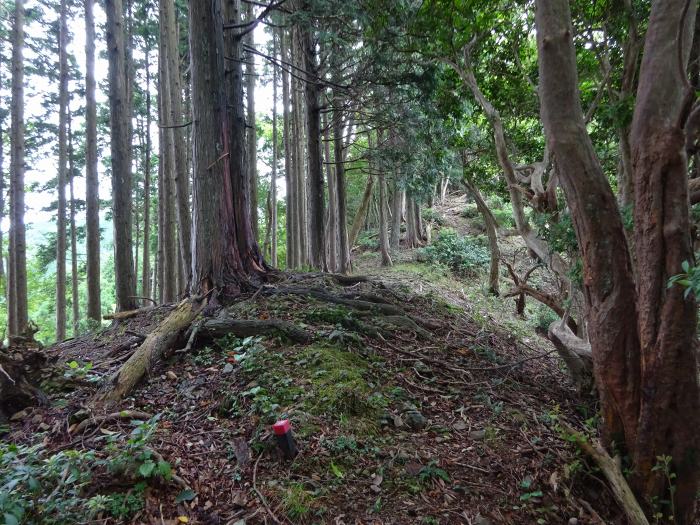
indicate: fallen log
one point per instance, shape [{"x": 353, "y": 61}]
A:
[
  {"x": 159, "y": 341},
  {"x": 127, "y": 314},
  {"x": 611, "y": 470}
]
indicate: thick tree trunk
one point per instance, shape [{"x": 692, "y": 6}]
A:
[
  {"x": 670, "y": 407},
  {"x": 19, "y": 316},
  {"x": 92, "y": 200},
  {"x": 125, "y": 282},
  {"x": 252, "y": 135},
  {"x": 62, "y": 173},
  {"x": 312, "y": 92},
  {"x": 226, "y": 256},
  {"x": 648, "y": 380}
]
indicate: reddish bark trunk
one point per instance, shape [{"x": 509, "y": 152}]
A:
[{"x": 226, "y": 255}]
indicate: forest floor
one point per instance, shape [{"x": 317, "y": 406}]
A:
[{"x": 446, "y": 413}]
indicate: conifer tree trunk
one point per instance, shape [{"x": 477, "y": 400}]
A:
[
  {"x": 332, "y": 237},
  {"x": 226, "y": 256},
  {"x": 125, "y": 283},
  {"x": 275, "y": 154},
  {"x": 19, "y": 316},
  {"x": 75, "y": 297},
  {"x": 175, "y": 116},
  {"x": 312, "y": 91},
  {"x": 396, "y": 200},
  {"x": 252, "y": 135},
  {"x": 300, "y": 194},
  {"x": 62, "y": 174},
  {"x": 146, "y": 259},
  {"x": 361, "y": 215},
  {"x": 383, "y": 223},
  {"x": 92, "y": 200},
  {"x": 288, "y": 160},
  {"x": 169, "y": 261},
  {"x": 344, "y": 243}
]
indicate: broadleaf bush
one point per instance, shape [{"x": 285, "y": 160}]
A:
[{"x": 463, "y": 255}]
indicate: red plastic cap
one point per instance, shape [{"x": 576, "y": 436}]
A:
[{"x": 282, "y": 427}]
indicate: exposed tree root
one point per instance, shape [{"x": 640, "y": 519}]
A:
[
  {"x": 611, "y": 470},
  {"x": 151, "y": 351},
  {"x": 223, "y": 325},
  {"x": 116, "y": 416}
]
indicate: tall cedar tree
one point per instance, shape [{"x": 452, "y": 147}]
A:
[
  {"x": 92, "y": 199},
  {"x": 125, "y": 280},
  {"x": 226, "y": 255},
  {"x": 18, "y": 313}
]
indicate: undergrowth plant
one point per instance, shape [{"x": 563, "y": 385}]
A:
[
  {"x": 37, "y": 486},
  {"x": 461, "y": 254}
]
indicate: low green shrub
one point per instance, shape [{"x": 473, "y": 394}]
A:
[
  {"x": 461, "y": 254},
  {"x": 37, "y": 486}
]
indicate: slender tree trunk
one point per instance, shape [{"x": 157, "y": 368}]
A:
[
  {"x": 146, "y": 259},
  {"x": 92, "y": 200},
  {"x": 252, "y": 135},
  {"x": 18, "y": 245},
  {"x": 125, "y": 285},
  {"x": 288, "y": 160},
  {"x": 491, "y": 227},
  {"x": 170, "y": 261},
  {"x": 300, "y": 167},
  {"x": 175, "y": 114},
  {"x": 332, "y": 238},
  {"x": 226, "y": 256},
  {"x": 275, "y": 154},
  {"x": 383, "y": 223},
  {"x": 62, "y": 174},
  {"x": 338, "y": 150},
  {"x": 75, "y": 297},
  {"x": 361, "y": 214},
  {"x": 396, "y": 200}
]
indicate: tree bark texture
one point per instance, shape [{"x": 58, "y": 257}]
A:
[
  {"x": 92, "y": 200},
  {"x": 18, "y": 314},
  {"x": 644, "y": 344},
  {"x": 225, "y": 256},
  {"x": 125, "y": 280},
  {"x": 252, "y": 135},
  {"x": 670, "y": 405},
  {"x": 61, "y": 245},
  {"x": 178, "y": 143}
]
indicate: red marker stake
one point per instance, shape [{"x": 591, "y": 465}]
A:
[{"x": 285, "y": 439}]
